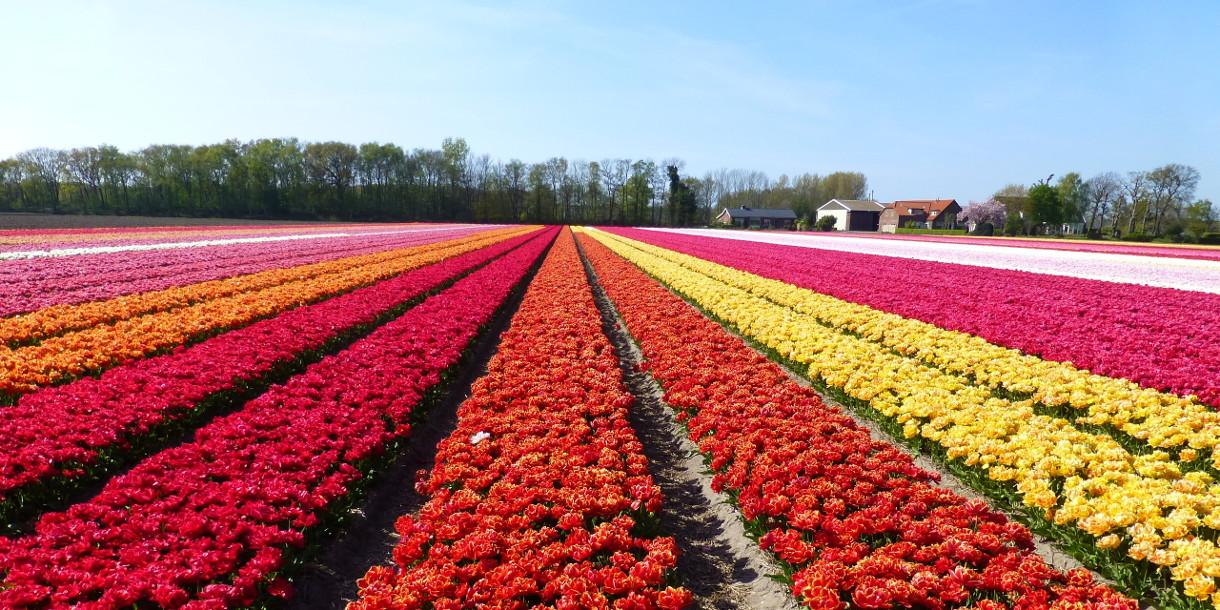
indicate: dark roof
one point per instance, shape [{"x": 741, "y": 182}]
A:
[
  {"x": 744, "y": 212},
  {"x": 856, "y": 205}
]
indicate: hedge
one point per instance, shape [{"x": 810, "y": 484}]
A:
[{"x": 903, "y": 231}]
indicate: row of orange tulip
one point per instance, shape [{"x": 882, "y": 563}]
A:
[
  {"x": 63, "y": 357},
  {"x": 59, "y": 319}
]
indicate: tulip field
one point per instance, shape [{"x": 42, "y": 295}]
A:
[{"x": 449, "y": 416}]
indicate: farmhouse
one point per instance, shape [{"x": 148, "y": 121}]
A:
[
  {"x": 763, "y": 218},
  {"x": 852, "y": 214},
  {"x": 925, "y": 213}
]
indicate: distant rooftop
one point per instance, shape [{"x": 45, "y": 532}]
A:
[
  {"x": 856, "y": 205},
  {"x": 779, "y": 214}
]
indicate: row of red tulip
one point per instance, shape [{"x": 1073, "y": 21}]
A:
[
  {"x": 33, "y": 284},
  {"x": 41, "y": 327},
  {"x": 208, "y": 524},
  {"x": 61, "y": 433},
  {"x": 538, "y": 496},
  {"x": 856, "y": 520},
  {"x": 1090, "y": 323}
]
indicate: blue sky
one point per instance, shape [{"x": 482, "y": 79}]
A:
[{"x": 932, "y": 98}]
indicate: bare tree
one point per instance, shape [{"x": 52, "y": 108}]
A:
[
  {"x": 1169, "y": 188},
  {"x": 555, "y": 171},
  {"x": 578, "y": 180},
  {"x": 708, "y": 196},
  {"x": 1135, "y": 190},
  {"x": 615, "y": 172},
  {"x": 1101, "y": 192},
  {"x": 594, "y": 192},
  {"x": 516, "y": 178}
]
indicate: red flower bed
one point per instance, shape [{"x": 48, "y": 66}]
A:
[
  {"x": 856, "y": 520},
  {"x": 207, "y": 524},
  {"x": 65, "y": 432},
  {"x": 1156, "y": 337},
  {"x": 538, "y": 496}
]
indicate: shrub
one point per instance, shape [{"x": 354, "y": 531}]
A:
[
  {"x": 1014, "y": 224},
  {"x": 1136, "y": 237},
  {"x": 983, "y": 228},
  {"x": 932, "y": 231},
  {"x": 827, "y": 223},
  {"x": 1177, "y": 237}
]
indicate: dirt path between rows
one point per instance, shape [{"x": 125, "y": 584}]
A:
[
  {"x": 328, "y": 582},
  {"x": 1047, "y": 549},
  {"x": 1044, "y": 547},
  {"x": 719, "y": 563}
]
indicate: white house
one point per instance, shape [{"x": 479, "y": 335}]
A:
[{"x": 852, "y": 214}]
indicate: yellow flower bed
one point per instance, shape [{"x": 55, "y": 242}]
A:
[{"x": 1146, "y": 501}]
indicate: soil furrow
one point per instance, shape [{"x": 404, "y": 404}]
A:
[
  {"x": 328, "y": 581},
  {"x": 1054, "y": 555},
  {"x": 719, "y": 563}
]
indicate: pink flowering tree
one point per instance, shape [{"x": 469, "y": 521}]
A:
[{"x": 991, "y": 211}]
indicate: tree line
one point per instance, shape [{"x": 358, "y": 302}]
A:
[
  {"x": 285, "y": 178},
  {"x": 1157, "y": 203}
]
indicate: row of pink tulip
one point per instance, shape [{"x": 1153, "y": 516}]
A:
[
  {"x": 40, "y": 269},
  {"x": 42, "y": 239},
  {"x": 1170, "y": 251},
  {"x": 211, "y": 523},
  {"x": 1151, "y": 336},
  {"x": 29, "y": 285},
  {"x": 62, "y": 433},
  {"x": 49, "y": 234}
]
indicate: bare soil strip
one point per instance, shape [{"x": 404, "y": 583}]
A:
[
  {"x": 719, "y": 563},
  {"x": 367, "y": 538}
]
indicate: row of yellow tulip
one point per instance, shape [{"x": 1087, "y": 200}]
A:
[
  {"x": 1190, "y": 429},
  {"x": 1144, "y": 505},
  {"x": 59, "y": 319},
  {"x": 69, "y": 355}
]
